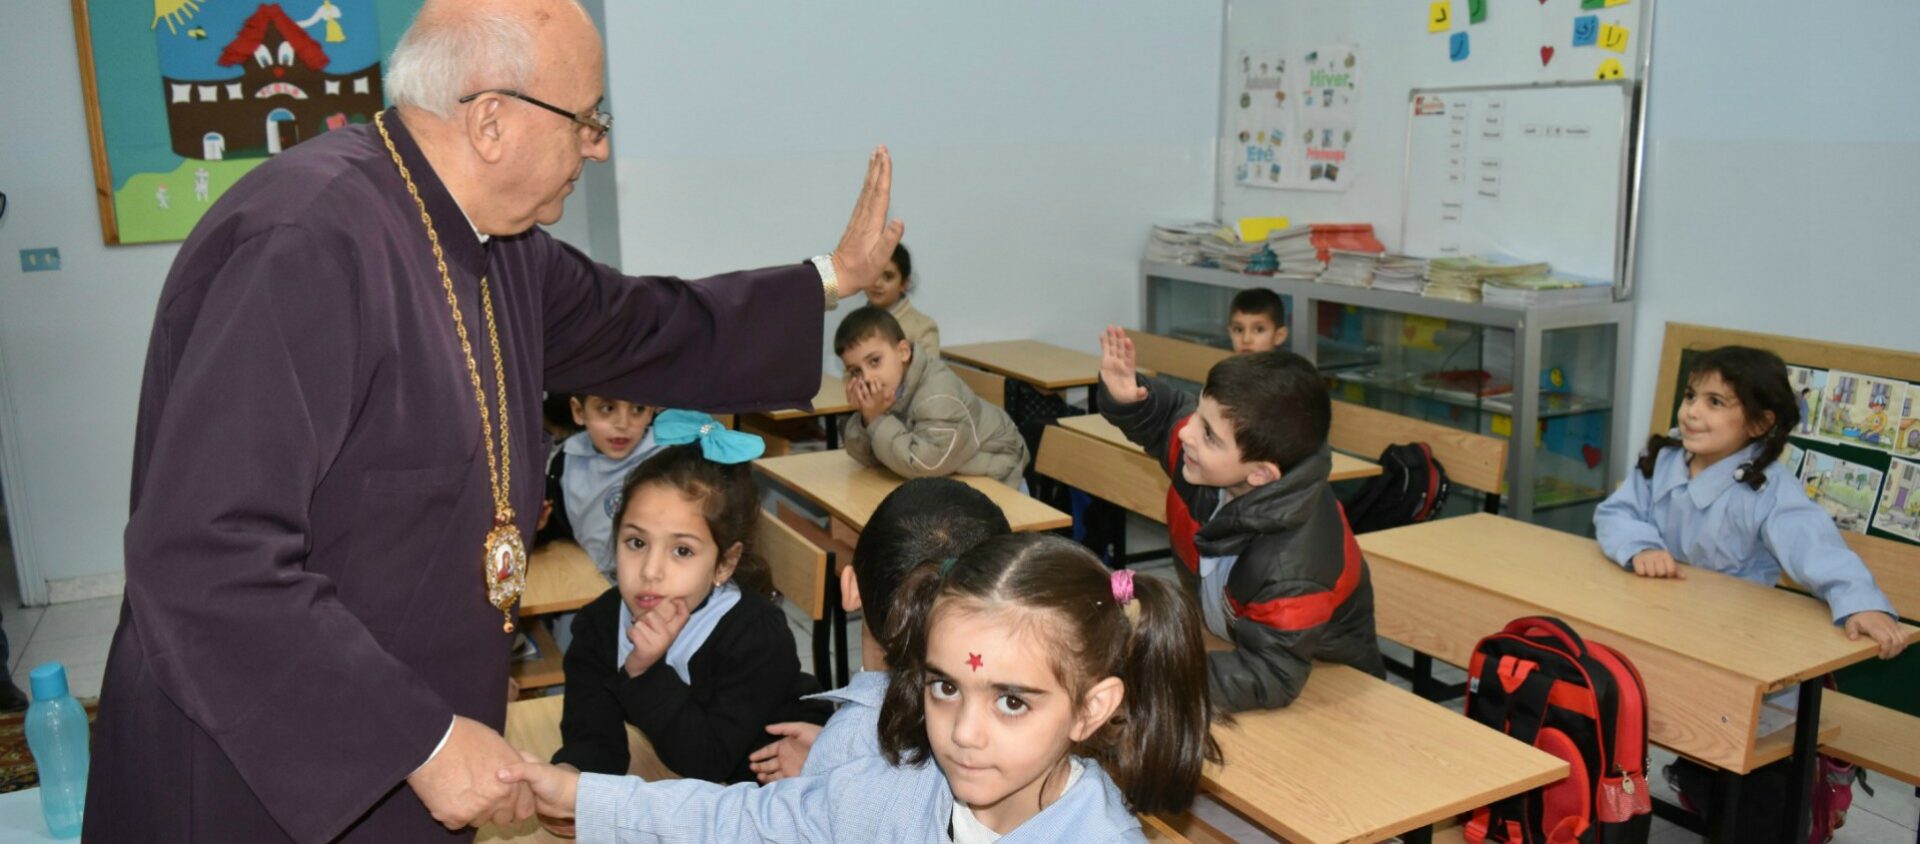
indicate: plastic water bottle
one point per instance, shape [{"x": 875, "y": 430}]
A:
[{"x": 57, "y": 735}]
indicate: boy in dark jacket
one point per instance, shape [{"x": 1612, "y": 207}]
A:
[{"x": 1256, "y": 530}]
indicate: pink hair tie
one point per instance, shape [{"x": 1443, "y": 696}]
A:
[{"x": 1122, "y": 582}]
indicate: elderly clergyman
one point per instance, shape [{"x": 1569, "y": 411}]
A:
[{"x": 339, "y": 442}]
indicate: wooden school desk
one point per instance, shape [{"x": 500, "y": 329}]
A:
[
  {"x": 1043, "y": 365},
  {"x": 850, "y": 492},
  {"x": 828, "y": 405},
  {"x": 533, "y": 725},
  {"x": 1709, "y": 647},
  {"x": 1358, "y": 759},
  {"x": 1345, "y": 467},
  {"x": 560, "y": 578}
]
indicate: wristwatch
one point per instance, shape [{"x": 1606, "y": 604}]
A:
[{"x": 829, "y": 282}]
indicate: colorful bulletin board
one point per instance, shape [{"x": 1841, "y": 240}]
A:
[{"x": 185, "y": 96}]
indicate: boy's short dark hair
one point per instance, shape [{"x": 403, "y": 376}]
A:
[
  {"x": 922, "y": 519},
  {"x": 863, "y": 323},
  {"x": 1278, "y": 405},
  {"x": 1259, "y": 301}
]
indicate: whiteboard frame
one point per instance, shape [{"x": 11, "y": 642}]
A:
[{"x": 1631, "y": 125}]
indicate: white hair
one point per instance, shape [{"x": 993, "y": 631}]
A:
[{"x": 444, "y": 57}]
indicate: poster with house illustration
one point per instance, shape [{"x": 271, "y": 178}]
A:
[
  {"x": 1808, "y": 386},
  {"x": 1906, "y": 433},
  {"x": 1846, "y": 490},
  {"x": 192, "y": 94},
  {"x": 1899, "y": 511},
  {"x": 1860, "y": 409}
]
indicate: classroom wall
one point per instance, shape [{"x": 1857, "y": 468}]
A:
[
  {"x": 1033, "y": 144},
  {"x": 1782, "y": 178},
  {"x": 73, "y": 342}
]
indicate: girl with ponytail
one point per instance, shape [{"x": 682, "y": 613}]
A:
[
  {"x": 1711, "y": 493},
  {"x": 1035, "y": 697}
]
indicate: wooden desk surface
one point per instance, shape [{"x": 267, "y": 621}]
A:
[
  {"x": 1708, "y": 647},
  {"x": 1345, "y": 467},
  {"x": 1041, "y": 364},
  {"x": 1356, "y": 759},
  {"x": 830, "y": 401},
  {"x": 560, "y": 578},
  {"x": 851, "y": 492}
]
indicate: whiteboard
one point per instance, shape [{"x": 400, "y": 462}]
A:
[
  {"x": 1395, "y": 54},
  {"x": 1537, "y": 172}
]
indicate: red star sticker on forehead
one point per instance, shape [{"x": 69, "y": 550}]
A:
[{"x": 973, "y": 660}]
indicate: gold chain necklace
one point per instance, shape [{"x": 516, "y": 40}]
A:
[{"x": 504, "y": 561}]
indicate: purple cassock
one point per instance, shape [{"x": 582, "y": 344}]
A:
[{"x": 305, "y": 605}]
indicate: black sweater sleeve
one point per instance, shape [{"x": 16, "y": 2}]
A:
[
  {"x": 1148, "y": 422},
  {"x": 593, "y": 733}
]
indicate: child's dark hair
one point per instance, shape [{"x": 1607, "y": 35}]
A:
[
  {"x": 903, "y": 261},
  {"x": 864, "y": 322},
  {"x": 557, "y": 410},
  {"x": 922, "y": 519},
  {"x": 1759, "y": 379},
  {"x": 728, "y": 499},
  {"x": 1259, "y": 301},
  {"x": 1158, "y": 740},
  {"x": 1277, "y": 403}
]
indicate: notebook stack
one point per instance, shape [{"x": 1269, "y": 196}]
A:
[
  {"x": 1460, "y": 279},
  {"x": 1178, "y": 243},
  {"x": 1545, "y": 290},
  {"x": 1349, "y": 269},
  {"x": 1294, "y": 252},
  {"x": 1226, "y": 250},
  {"x": 1400, "y": 274}
]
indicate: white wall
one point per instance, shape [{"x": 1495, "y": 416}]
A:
[
  {"x": 1782, "y": 188},
  {"x": 1033, "y": 143}
]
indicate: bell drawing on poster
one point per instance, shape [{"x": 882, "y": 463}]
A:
[
  {"x": 1899, "y": 511},
  {"x": 1860, "y": 409},
  {"x": 1906, "y": 434},
  {"x": 1846, "y": 490},
  {"x": 1808, "y": 385}
]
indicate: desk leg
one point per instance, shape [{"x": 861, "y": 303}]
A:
[
  {"x": 1806, "y": 755},
  {"x": 1726, "y": 811},
  {"x": 833, "y": 432},
  {"x": 1423, "y": 835}
]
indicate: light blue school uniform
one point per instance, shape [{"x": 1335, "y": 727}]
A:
[
  {"x": 1717, "y": 523},
  {"x": 853, "y": 733},
  {"x": 591, "y": 487},
  {"x": 863, "y": 801}
]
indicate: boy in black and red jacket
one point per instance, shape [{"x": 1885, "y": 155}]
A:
[{"x": 1255, "y": 527}]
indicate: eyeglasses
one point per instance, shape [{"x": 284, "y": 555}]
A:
[{"x": 593, "y": 127}]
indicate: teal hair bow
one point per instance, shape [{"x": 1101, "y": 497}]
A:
[{"x": 718, "y": 443}]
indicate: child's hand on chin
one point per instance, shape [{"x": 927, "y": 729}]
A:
[{"x": 554, "y": 787}]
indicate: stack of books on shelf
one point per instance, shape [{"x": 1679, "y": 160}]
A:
[
  {"x": 1461, "y": 279},
  {"x": 1178, "y": 243},
  {"x": 1294, "y": 252},
  {"x": 1349, "y": 269},
  {"x": 1226, "y": 250},
  {"x": 1350, "y": 237},
  {"x": 1545, "y": 290},
  {"x": 1400, "y": 274}
]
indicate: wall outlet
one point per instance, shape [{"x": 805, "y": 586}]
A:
[{"x": 39, "y": 260}]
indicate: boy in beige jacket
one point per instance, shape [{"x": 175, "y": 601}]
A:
[{"x": 912, "y": 414}]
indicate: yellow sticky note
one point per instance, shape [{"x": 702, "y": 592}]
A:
[
  {"x": 1257, "y": 228},
  {"x": 1618, "y": 2},
  {"x": 1610, "y": 69},
  {"x": 1613, "y": 37},
  {"x": 1440, "y": 16}
]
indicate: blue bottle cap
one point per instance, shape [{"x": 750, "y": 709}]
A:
[{"x": 49, "y": 681}]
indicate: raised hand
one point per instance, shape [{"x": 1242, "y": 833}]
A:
[
  {"x": 784, "y": 758},
  {"x": 459, "y": 786},
  {"x": 868, "y": 243},
  {"x": 1117, "y": 368},
  {"x": 652, "y": 633}
]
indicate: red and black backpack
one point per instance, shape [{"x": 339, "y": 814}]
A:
[
  {"x": 1411, "y": 488},
  {"x": 1582, "y": 701}
]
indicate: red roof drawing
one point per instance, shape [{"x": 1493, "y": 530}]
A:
[{"x": 254, "y": 31}]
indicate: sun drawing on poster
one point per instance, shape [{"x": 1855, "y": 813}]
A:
[{"x": 174, "y": 12}]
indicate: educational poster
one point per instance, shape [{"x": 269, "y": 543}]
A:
[
  {"x": 192, "y": 94},
  {"x": 1808, "y": 386},
  {"x": 1899, "y": 511},
  {"x": 1860, "y": 409},
  {"x": 1329, "y": 87},
  {"x": 1793, "y": 457},
  {"x": 1846, "y": 490},
  {"x": 1906, "y": 436},
  {"x": 1263, "y": 122}
]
